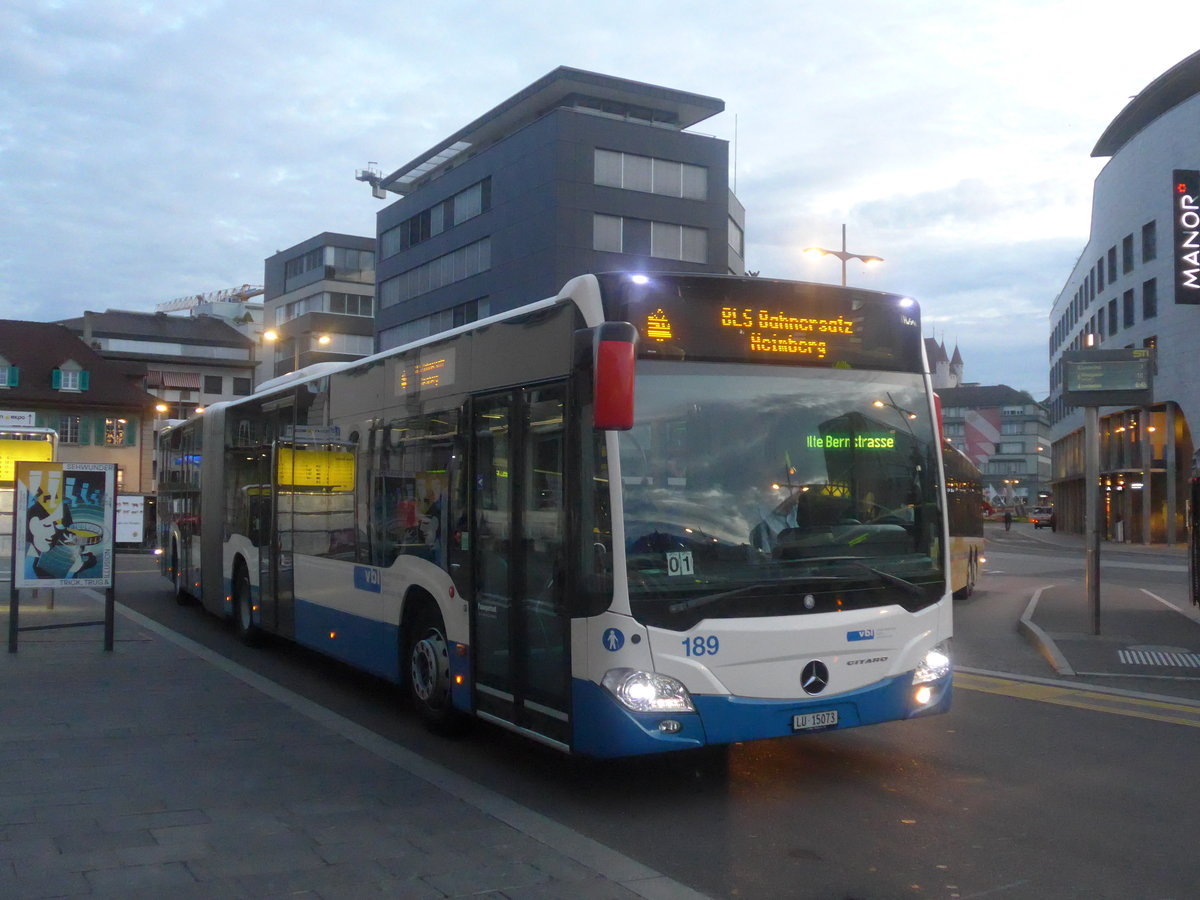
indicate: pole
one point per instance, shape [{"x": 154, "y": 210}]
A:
[
  {"x": 12, "y": 591},
  {"x": 844, "y": 255},
  {"x": 1091, "y": 529}
]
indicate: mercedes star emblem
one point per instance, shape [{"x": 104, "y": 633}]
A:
[{"x": 815, "y": 677}]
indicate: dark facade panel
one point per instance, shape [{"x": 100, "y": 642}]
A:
[{"x": 543, "y": 199}]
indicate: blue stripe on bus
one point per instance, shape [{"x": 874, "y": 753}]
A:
[
  {"x": 361, "y": 642},
  {"x": 604, "y": 728}
]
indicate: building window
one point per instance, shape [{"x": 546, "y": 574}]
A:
[
  {"x": 1005, "y": 467},
  {"x": 8, "y": 376},
  {"x": 1011, "y": 448},
  {"x": 69, "y": 379},
  {"x": 1127, "y": 308},
  {"x": 650, "y": 175},
  {"x": 954, "y": 429},
  {"x": 242, "y": 387},
  {"x": 669, "y": 241},
  {"x": 1012, "y": 428},
  {"x": 437, "y": 273},
  {"x": 1100, "y": 323},
  {"x": 1112, "y": 264},
  {"x": 1112, "y": 317},
  {"x": 1150, "y": 298},
  {"x": 666, "y": 239},
  {"x": 213, "y": 384},
  {"x": 1100, "y": 274},
  {"x": 1149, "y": 242},
  {"x": 300, "y": 265},
  {"x": 351, "y": 265},
  {"x": 737, "y": 238},
  {"x": 69, "y": 429},
  {"x": 465, "y": 205},
  {"x": 1012, "y": 411},
  {"x": 1127, "y": 254},
  {"x": 607, "y": 233},
  {"x": 351, "y": 305},
  {"x": 116, "y": 432}
]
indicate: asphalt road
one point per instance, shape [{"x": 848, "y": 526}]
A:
[{"x": 1004, "y": 797}]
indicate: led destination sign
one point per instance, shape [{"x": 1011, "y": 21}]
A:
[
  {"x": 877, "y": 441},
  {"x": 723, "y": 319}
]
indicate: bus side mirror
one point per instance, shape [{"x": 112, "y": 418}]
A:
[{"x": 614, "y": 346}]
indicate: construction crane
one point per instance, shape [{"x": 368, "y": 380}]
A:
[{"x": 226, "y": 295}]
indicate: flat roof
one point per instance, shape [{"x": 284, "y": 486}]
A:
[
  {"x": 1168, "y": 90},
  {"x": 675, "y": 109}
]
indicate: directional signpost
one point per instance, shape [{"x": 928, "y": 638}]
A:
[{"x": 1091, "y": 379}]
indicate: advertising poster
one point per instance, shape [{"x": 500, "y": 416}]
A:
[
  {"x": 130, "y": 517},
  {"x": 64, "y": 521}
]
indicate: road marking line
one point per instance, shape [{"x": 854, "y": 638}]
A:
[{"x": 1136, "y": 707}]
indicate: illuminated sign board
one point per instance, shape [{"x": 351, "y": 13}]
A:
[
  {"x": 13, "y": 451},
  {"x": 867, "y": 441},
  {"x": 760, "y": 320},
  {"x": 313, "y": 467},
  {"x": 1186, "y": 217},
  {"x": 1108, "y": 377},
  {"x": 429, "y": 371}
]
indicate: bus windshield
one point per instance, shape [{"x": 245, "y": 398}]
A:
[{"x": 755, "y": 491}]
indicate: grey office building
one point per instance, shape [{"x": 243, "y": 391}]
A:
[{"x": 579, "y": 172}]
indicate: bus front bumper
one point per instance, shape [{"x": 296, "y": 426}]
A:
[{"x": 604, "y": 728}]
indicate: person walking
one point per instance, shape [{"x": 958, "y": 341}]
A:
[{"x": 1008, "y": 520}]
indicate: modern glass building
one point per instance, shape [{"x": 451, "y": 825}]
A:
[{"x": 1137, "y": 285}]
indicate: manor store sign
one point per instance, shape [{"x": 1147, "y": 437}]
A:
[{"x": 1186, "y": 213}]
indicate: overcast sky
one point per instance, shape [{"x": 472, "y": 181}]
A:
[{"x": 150, "y": 150}]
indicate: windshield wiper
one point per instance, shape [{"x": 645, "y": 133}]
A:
[
  {"x": 706, "y": 599},
  {"x": 913, "y": 590},
  {"x": 908, "y": 587}
]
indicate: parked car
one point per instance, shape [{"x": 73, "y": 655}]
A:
[{"x": 1042, "y": 517}]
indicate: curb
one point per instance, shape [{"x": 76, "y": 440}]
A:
[{"x": 1041, "y": 641}]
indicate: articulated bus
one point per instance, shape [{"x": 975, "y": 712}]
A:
[
  {"x": 651, "y": 513},
  {"x": 964, "y": 510}
]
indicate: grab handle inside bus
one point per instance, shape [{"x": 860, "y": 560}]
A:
[{"x": 614, "y": 347}]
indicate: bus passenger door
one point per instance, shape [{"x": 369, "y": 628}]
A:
[{"x": 520, "y": 624}]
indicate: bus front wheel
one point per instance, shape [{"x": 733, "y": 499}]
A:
[{"x": 427, "y": 656}]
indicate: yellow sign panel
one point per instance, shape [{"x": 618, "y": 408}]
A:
[
  {"x": 332, "y": 469},
  {"x": 780, "y": 334},
  {"x": 658, "y": 326},
  {"x": 12, "y": 452}
]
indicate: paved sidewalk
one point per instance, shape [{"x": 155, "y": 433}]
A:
[
  {"x": 162, "y": 769},
  {"x": 1144, "y": 641}
]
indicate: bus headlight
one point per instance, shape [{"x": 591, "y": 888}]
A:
[
  {"x": 647, "y": 691},
  {"x": 935, "y": 665}
]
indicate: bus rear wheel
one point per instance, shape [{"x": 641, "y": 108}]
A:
[
  {"x": 177, "y": 580},
  {"x": 427, "y": 656},
  {"x": 243, "y": 609}
]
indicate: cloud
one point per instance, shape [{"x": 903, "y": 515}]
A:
[{"x": 152, "y": 150}]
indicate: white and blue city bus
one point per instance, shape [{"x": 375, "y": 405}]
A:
[{"x": 654, "y": 512}]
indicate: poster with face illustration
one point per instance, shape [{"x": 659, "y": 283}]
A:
[{"x": 64, "y": 519}]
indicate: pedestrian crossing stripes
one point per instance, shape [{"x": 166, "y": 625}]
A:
[{"x": 1159, "y": 658}]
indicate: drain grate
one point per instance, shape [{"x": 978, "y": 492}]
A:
[{"x": 1159, "y": 656}]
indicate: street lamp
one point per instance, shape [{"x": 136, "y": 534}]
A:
[
  {"x": 322, "y": 340},
  {"x": 842, "y": 254}
]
